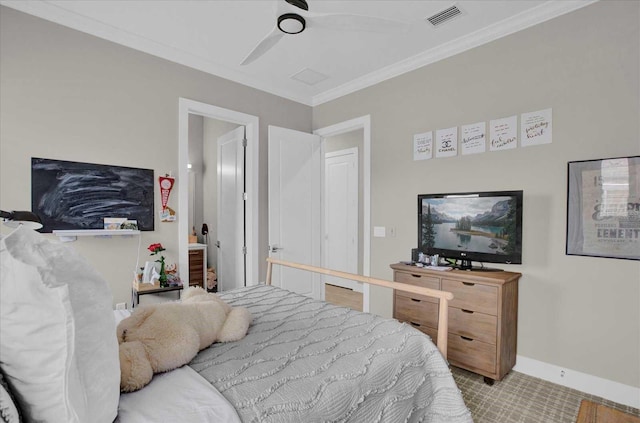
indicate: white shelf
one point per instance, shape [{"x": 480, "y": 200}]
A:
[{"x": 72, "y": 235}]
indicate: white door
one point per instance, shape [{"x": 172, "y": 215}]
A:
[
  {"x": 230, "y": 224},
  {"x": 294, "y": 207},
  {"x": 340, "y": 243}
]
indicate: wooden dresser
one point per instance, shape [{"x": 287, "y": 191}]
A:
[
  {"x": 483, "y": 315},
  {"x": 197, "y": 265}
]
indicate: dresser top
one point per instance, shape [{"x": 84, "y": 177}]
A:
[{"x": 498, "y": 277}]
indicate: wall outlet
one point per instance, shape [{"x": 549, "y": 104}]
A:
[{"x": 121, "y": 306}]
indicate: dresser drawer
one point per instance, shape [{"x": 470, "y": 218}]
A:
[
  {"x": 472, "y": 296},
  {"x": 427, "y": 330},
  {"x": 423, "y": 313},
  {"x": 473, "y": 324},
  {"x": 472, "y": 354},
  {"x": 196, "y": 256},
  {"x": 418, "y": 280}
]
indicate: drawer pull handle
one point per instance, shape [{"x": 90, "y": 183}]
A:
[
  {"x": 468, "y": 283},
  {"x": 415, "y": 299},
  {"x": 467, "y": 311},
  {"x": 416, "y": 276},
  {"x": 415, "y": 324},
  {"x": 466, "y": 339}
]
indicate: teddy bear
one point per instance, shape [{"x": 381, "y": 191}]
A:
[{"x": 161, "y": 337}]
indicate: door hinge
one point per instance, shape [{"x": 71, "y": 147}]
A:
[
  {"x": 244, "y": 250},
  {"x": 245, "y": 196},
  {"x": 244, "y": 142},
  {"x": 218, "y": 244}
]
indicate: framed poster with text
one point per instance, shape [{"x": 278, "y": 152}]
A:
[{"x": 603, "y": 208}]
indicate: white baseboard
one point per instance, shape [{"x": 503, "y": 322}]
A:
[{"x": 594, "y": 385}]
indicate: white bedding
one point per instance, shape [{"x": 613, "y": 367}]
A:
[{"x": 181, "y": 395}]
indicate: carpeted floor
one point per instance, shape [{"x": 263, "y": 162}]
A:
[{"x": 519, "y": 398}]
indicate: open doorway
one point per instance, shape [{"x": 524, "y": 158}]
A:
[
  {"x": 216, "y": 210},
  {"x": 344, "y": 143},
  {"x": 214, "y": 121},
  {"x": 293, "y": 238}
]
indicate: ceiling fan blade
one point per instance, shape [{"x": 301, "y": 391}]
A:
[
  {"x": 263, "y": 46},
  {"x": 347, "y": 22}
]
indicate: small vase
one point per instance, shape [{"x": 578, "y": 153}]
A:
[{"x": 163, "y": 276}]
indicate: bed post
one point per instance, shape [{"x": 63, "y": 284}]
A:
[
  {"x": 443, "y": 326},
  {"x": 268, "y": 281}
]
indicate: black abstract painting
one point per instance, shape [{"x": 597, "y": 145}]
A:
[{"x": 73, "y": 195}]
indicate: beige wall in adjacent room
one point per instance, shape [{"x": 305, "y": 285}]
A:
[
  {"x": 581, "y": 313},
  {"x": 71, "y": 96}
]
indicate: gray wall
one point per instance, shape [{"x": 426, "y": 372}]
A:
[
  {"x": 579, "y": 312},
  {"x": 71, "y": 96}
]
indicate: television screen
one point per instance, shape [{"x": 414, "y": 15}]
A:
[
  {"x": 74, "y": 195},
  {"x": 476, "y": 226}
]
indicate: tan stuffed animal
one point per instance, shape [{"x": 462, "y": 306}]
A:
[{"x": 161, "y": 337}]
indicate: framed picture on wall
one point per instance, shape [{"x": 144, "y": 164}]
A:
[{"x": 603, "y": 208}]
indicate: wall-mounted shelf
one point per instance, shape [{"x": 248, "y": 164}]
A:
[{"x": 72, "y": 235}]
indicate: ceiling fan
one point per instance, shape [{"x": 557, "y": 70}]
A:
[{"x": 294, "y": 16}]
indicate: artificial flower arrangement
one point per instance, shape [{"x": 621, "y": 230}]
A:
[{"x": 156, "y": 249}]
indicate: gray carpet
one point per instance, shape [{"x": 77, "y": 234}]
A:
[{"x": 519, "y": 398}]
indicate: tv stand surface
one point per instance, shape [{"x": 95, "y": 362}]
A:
[
  {"x": 467, "y": 265},
  {"x": 478, "y": 269}
]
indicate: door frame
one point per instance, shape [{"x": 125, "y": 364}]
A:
[
  {"x": 186, "y": 107},
  {"x": 364, "y": 123}
]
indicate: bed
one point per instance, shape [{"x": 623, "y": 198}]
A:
[{"x": 302, "y": 360}]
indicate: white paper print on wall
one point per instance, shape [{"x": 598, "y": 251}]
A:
[
  {"x": 473, "y": 138},
  {"x": 423, "y": 146},
  {"x": 536, "y": 128},
  {"x": 503, "y": 133},
  {"x": 447, "y": 142}
]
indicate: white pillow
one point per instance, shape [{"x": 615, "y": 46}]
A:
[{"x": 58, "y": 345}]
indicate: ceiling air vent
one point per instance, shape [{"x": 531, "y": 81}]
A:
[
  {"x": 444, "y": 16},
  {"x": 309, "y": 76}
]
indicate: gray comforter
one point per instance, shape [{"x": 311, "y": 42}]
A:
[{"x": 308, "y": 361}]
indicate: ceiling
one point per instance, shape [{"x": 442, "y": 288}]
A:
[{"x": 215, "y": 36}]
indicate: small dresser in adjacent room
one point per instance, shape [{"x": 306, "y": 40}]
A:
[
  {"x": 483, "y": 316},
  {"x": 197, "y": 265}
]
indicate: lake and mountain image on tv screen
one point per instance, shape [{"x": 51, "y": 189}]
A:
[{"x": 477, "y": 224}]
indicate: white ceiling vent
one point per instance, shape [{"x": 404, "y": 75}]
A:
[
  {"x": 309, "y": 76},
  {"x": 444, "y": 16}
]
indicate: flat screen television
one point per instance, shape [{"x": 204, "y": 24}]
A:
[{"x": 484, "y": 227}]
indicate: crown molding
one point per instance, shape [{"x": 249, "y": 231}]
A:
[{"x": 539, "y": 14}]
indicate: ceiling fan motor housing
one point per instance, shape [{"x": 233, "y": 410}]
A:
[{"x": 291, "y": 23}]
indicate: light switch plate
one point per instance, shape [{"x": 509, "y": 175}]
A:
[{"x": 379, "y": 231}]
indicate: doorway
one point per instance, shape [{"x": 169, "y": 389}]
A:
[
  {"x": 302, "y": 196},
  {"x": 356, "y": 133},
  {"x": 188, "y": 109}
]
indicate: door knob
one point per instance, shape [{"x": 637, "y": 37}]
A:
[{"x": 275, "y": 248}]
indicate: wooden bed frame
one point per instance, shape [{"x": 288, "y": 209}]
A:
[{"x": 443, "y": 296}]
